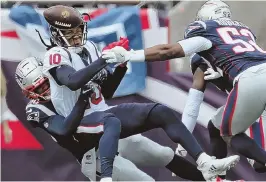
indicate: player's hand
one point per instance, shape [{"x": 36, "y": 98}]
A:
[
  {"x": 117, "y": 54},
  {"x": 210, "y": 74},
  {"x": 8, "y": 133},
  {"x": 86, "y": 91},
  {"x": 123, "y": 42}
]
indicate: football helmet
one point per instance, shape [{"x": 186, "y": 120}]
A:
[
  {"x": 30, "y": 79},
  {"x": 67, "y": 27},
  {"x": 213, "y": 9}
]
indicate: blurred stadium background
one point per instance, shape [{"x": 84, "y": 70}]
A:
[{"x": 32, "y": 155}]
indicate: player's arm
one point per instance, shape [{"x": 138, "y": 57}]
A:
[
  {"x": 163, "y": 52},
  {"x": 64, "y": 74},
  {"x": 113, "y": 80},
  {"x": 196, "y": 93},
  {"x": 194, "y": 42},
  {"x": 183, "y": 48},
  {"x": 56, "y": 124}
]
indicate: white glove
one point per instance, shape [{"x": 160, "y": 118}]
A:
[
  {"x": 116, "y": 55},
  {"x": 210, "y": 74}
]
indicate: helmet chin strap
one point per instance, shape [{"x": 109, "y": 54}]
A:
[{"x": 70, "y": 48}]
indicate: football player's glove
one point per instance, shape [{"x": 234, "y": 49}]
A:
[
  {"x": 100, "y": 77},
  {"x": 210, "y": 74},
  {"x": 123, "y": 43},
  {"x": 87, "y": 90}
]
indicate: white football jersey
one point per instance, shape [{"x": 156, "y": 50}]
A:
[{"x": 62, "y": 97}]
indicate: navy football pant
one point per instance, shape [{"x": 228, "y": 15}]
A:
[{"x": 130, "y": 119}]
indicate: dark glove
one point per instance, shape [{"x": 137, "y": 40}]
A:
[
  {"x": 86, "y": 92},
  {"x": 100, "y": 77}
]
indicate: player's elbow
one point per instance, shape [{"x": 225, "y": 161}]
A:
[{"x": 73, "y": 86}]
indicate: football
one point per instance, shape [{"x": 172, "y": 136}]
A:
[{"x": 63, "y": 17}]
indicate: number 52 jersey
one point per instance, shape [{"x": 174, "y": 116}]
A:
[{"x": 234, "y": 47}]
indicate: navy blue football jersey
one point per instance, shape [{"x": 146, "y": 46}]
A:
[
  {"x": 44, "y": 116},
  {"x": 234, "y": 48},
  {"x": 221, "y": 83}
]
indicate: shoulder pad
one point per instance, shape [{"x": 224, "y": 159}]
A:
[
  {"x": 57, "y": 50},
  {"x": 33, "y": 114},
  {"x": 210, "y": 23},
  {"x": 38, "y": 112},
  {"x": 92, "y": 48},
  {"x": 197, "y": 28},
  {"x": 56, "y": 56},
  {"x": 91, "y": 43}
]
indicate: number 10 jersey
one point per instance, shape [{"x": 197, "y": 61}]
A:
[{"x": 62, "y": 97}]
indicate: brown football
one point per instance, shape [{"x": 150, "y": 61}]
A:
[{"x": 63, "y": 17}]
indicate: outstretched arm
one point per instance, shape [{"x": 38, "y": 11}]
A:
[
  {"x": 183, "y": 48},
  {"x": 161, "y": 52}
]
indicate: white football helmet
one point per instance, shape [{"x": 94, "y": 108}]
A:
[
  {"x": 213, "y": 9},
  {"x": 31, "y": 80}
]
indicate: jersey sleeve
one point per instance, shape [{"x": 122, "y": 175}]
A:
[
  {"x": 97, "y": 52},
  {"x": 55, "y": 57},
  {"x": 93, "y": 51},
  {"x": 53, "y": 124},
  {"x": 196, "y": 61},
  {"x": 36, "y": 117},
  {"x": 43, "y": 118},
  {"x": 197, "y": 28}
]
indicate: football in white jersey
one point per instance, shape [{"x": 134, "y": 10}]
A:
[{"x": 62, "y": 97}]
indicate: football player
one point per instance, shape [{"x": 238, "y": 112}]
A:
[
  {"x": 230, "y": 47},
  {"x": 73, "y": 63},
  {"x": 40, "y": 112},
  {"x": 202, "y": 72}
]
